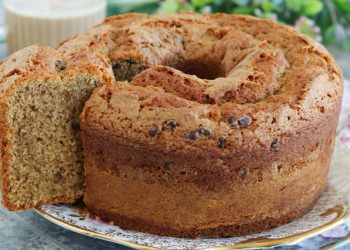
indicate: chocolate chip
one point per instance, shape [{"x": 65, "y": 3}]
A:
[
  {"x": 244, "y": 173},
  {"x": 192, "y": 135},
  {"x": 60, "y": 65},
  {"x": 75, "y": 125},
  {"x": 170, "y": 124},
  {"x": 222, "y": 142},
  {"x": 66, "y": 94},
  {"x": 168, "y": 165},
  {"x": 203, "y": 132},
  {"x": 232, "y": 121},
  {"x": 33, "y": 108},
  {"x": 154, "y": 131},
  {"x": 244, "y": 121},
  {"x": 275, "y": 144},
  {"x": 279, "y": 167},
  {"x": 57, "y": 177},
  {"x": 208, "y": 100}
]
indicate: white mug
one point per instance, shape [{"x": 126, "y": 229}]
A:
[{"x": 48, "y": 22}]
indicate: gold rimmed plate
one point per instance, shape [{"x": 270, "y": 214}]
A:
[{"x": 331, "y": 210}]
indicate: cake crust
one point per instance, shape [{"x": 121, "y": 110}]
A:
[
  {"x": 219, "y": 231},
  {"x": 188, "y": 196},
  {"x": 183, "y": 151}
]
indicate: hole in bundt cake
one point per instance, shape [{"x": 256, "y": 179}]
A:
[
  {"x": 125, "y": 70},
  {"x": 205, "y": 69}
]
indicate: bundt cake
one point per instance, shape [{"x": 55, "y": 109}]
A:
[
  {"x": 225, "y": 126},
  {"x": 201, "y": 125}
]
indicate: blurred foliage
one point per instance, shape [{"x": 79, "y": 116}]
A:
[{"x": 327, "y": 21}]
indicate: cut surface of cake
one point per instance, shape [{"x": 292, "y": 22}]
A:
[
  {"x": 41, "y": 154},
  {"x": 42, "y": 92}
]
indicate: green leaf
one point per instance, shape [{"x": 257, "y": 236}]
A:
[
  {"x": 324, "y": 20},
  {"x": 342, "y": 4},
  {"x": 267, "y": 6},
  {"x": 294, "y": 5},
  {"x": 169, "y": 6},
  {"x": 149, "y": 9},
  {"x": 186, "y": 7},
  {"x": 329, "y": 35},
  {"x": 201, "y": 3},
  {"x": 121, "y": 6},
  {"x": 241, "y": 2},
  {"x": 312, "y": 7},
  {"x": 244, "y": 10}
]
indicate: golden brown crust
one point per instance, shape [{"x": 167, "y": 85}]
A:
[
  {"x": 195, "y": 148},
  {"x": 4, "y": 146},
  {"x": 300, "y": 85},
  {"x": 220, "y": 231},
  {"x": 193, "y": 196},
  {"x": 206, "y": 163}
]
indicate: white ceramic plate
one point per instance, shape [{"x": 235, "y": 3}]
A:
[{"x": 331, "y": 210}]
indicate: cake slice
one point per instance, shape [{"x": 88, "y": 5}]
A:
[
  {"x": 42, "y": 92},
  {"x": 41, "y": 97}
]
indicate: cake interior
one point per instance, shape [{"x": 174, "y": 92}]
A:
[{"x": 45, "y": 145}]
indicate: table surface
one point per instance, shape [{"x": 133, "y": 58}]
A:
[{"x": 28, "y": 230}]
